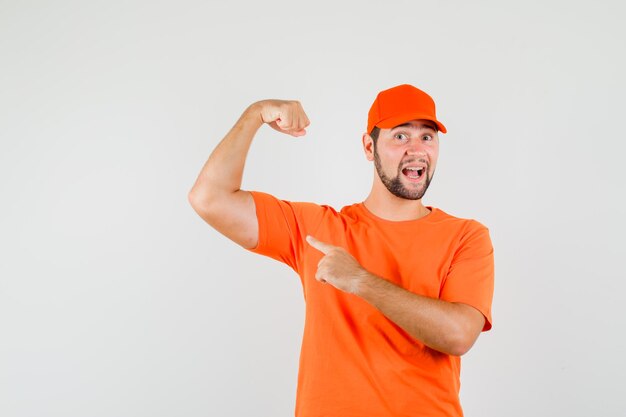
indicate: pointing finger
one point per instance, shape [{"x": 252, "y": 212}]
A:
[{"x": 319, "y": 245}]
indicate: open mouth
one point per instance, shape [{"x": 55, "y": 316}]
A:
[{"x": 414, "y": 173}]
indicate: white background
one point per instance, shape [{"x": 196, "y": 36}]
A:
[{"x": 116, "y": 299}]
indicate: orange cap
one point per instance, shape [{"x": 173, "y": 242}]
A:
[{"x": 399, "y": 104}]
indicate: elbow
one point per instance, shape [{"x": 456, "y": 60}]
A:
[
  {"x": 200, "y": 198},
  {"x": 205, "y": 195},
  {"x": 464, "y": 331},
  {"x": 461, "y": 343},
  {"x": 201, "y": 203},
  {"x": 459, "y": 349},
  {"x": 193, "y": 198}
]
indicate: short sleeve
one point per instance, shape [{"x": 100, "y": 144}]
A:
[
  {"x": 470, "y": 279},
  {"x": 283, "y": 226}
]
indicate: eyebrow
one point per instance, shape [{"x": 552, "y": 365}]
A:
[{"x": 423, "y": 126}]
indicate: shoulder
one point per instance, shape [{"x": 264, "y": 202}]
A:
[
  {"x": 269, "y": 202},
  {"x": 464, "y": 229},
  {"x": 457, "y": 221}
]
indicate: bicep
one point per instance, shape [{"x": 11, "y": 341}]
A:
[{"x": 233, "y": 215}]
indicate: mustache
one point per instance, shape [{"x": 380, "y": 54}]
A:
[{"x": 412, "y": 161}]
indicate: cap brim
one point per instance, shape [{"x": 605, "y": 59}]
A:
[{"x": 398, "y": 120}]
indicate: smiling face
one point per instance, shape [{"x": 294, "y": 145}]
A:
[{"x": 405, "y": 157}]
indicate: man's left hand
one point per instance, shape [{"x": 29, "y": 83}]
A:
[{"x": 338, "y": 267}]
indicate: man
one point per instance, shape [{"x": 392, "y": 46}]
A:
[{"x": 395, "y": 291}]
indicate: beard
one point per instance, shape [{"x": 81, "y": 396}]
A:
[{"x": 395, "y": 185}]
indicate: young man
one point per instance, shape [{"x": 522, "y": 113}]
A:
[{"x": 395, "y": 291}]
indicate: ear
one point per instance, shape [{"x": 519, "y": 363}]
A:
[{"x": 368, "y": 146}]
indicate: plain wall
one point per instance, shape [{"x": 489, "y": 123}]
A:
[{"x": 116, "y": 299}]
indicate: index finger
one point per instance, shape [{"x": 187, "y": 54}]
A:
[{"x": 319, "y": 245}]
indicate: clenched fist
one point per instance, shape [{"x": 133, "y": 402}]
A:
[{"x": 285, "y": 116}]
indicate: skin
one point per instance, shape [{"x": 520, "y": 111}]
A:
[
  {"x": 418, "y": 142},
  {"x": 451, "y": 328}
]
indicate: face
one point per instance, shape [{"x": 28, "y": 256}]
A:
[{"x": 405, "y": 158}]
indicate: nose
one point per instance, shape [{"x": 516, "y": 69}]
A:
[{"x": 415, "y": 148}]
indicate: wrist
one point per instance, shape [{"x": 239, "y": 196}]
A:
[
  {"x": 364, "y": 283},
  {"x": 252, "y": 114}
]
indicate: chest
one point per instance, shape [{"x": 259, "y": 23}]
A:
[{"x": 417, "y": 259}]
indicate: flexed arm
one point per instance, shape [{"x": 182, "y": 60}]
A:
[{"x": 217, "y": 195}]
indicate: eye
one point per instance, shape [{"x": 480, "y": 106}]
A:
[
  {"x": 401, "y": 136},
  {"x": 427, "y": 137}
]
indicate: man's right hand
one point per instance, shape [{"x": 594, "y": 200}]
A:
[{"x": 285, "y": 116}]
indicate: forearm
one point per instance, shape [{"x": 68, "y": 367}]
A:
[
  {"x": 438, "y": 324},
  {"x": 223, "y": 171}
]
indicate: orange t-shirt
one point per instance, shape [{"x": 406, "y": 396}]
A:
[{"x": 355, "y": 362}]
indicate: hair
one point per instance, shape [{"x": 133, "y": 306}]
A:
[{"x": 374, "y": 134}]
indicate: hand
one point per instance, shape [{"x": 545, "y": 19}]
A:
[
  {"x": 338, "y": 267},
  {"x": 285, "y": 116}
]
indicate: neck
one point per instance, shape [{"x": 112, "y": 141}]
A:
[{"x": 390, "y": 207}]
